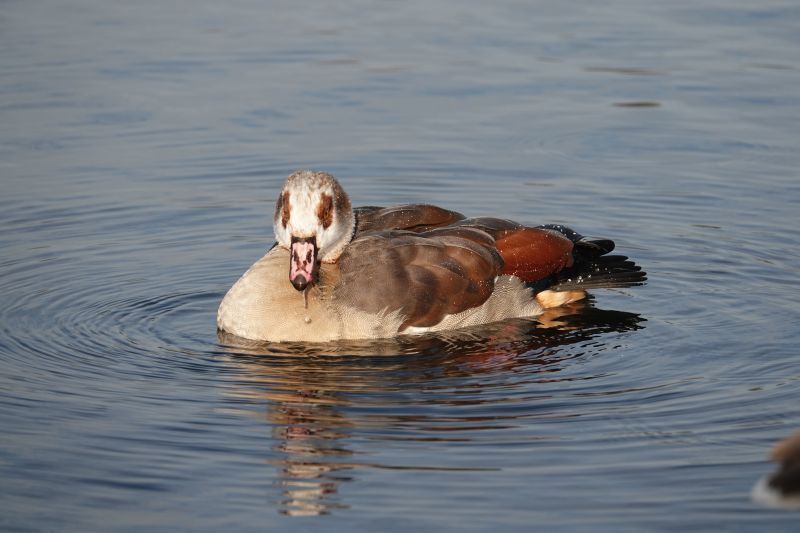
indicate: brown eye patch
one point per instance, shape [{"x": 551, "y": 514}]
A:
[
  {"x": 325, "y": 210},
  {"x": 286, "y": 209}
]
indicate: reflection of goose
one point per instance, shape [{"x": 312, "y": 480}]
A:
[
  {"x": 378, "y": 272},
  {"x": 309, "y": 476},
  {"x": 315, "y": 405},
  {"x": 782, "y": 487}
]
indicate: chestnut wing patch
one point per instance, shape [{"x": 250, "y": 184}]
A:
[
  {"x": 530, "y": 254},
  {"x": 425, "y": 276}
]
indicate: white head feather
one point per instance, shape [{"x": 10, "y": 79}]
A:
[{"x": 313, "y": 204}]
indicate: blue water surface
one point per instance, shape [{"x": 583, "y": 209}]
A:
[{"x": 143, "y": 144}]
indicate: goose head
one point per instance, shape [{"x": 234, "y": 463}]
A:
[{"x": 314, "y": 221}]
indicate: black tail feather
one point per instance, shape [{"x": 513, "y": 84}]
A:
[{"x": 592, "y": 269}]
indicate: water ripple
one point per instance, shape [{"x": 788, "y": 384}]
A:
[{"x": 134, "y": 195}]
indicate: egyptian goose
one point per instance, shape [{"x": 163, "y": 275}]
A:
[
  {"x": 375, "y": 272},
  {"x": 782, "y": 487}
]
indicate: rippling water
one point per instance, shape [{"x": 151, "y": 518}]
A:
[{"x": 141, "y": 150}]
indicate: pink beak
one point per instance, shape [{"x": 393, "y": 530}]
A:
[{"x": 303, "y": 264}]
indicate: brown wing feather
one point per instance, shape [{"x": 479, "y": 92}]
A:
[
  {"x": 427, "y": 262},
  {"x": 533, "y": 253},
  {"x": 411, "y": 217},
  {"x": 424, "y": 276},
  {"x": 492, "y": 226},
  {"x": 528, "y": 253}
]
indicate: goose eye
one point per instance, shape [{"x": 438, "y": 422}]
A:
[
  {"x": 325, "y": 210},
  {"x": 286, "y": 208}
]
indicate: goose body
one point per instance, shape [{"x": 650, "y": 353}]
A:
[
  {"x": 341, "y": 273},
  {"x": 782, "y": 487}
]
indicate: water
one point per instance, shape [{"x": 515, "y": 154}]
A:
[{"x": 141, "y": 150}]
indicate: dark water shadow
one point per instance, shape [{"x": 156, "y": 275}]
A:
[{"x": 319, "y": 396}]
